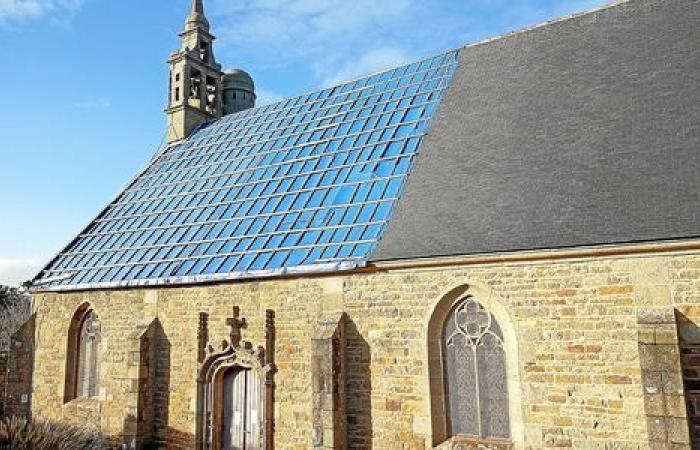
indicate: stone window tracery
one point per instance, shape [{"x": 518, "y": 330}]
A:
[
  {"x": 89, "y": 356},
  {"x": 84, "y": 355},
  {"x": 474, "y": 364}
]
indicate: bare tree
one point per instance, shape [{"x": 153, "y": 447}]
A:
[{"x": 15, "y": 310}]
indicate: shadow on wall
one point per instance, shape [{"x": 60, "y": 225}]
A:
[
  {"x": 689, "y": 342},
  {"x": 153, "y": 389},
  {"x": 176, "y": 439},
  {"x": 150, "y": 427},
  {"x": 359, "y": 389},
  {"x": 20, "y": 366}
]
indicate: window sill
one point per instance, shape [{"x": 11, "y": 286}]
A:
[
  {"x": 92, "y": 404},
  {"x": 473, "y": 443}
]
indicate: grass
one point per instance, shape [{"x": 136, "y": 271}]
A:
[{"x": 21, "y": 434}]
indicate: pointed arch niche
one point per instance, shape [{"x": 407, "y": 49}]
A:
[
  {"x": 475, "y": 392},
  {"x": 84, "y": 355}
]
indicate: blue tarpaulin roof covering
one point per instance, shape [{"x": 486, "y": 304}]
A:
[{"x": 302, "y": 185}]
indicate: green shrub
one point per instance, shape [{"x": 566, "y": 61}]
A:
[{"x": 21, "y": 434}]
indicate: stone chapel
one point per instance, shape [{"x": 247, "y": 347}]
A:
[{"x": 497, "y": 247}]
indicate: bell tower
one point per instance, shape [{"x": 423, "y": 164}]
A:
[{"x": 195, "y": 78}]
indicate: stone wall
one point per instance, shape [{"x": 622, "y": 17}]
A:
[
  {"x": 575, "y": 363},
  {"x": 20, "y": 362},
  {"x": 662, "y": 378},
  {"x": 16, "y": 341}
]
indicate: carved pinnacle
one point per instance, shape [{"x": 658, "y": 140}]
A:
[{"x": 202, "y": 336}]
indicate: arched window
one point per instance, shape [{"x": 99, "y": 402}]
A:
[
  {"x": 474, "y": 387},
  {"x": 89, "y": 356},
  {"x": 474, "y": 364},
  {"x": 84, "y": 356}
]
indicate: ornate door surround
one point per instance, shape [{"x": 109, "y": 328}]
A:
[{"x": 235, "y": 354}]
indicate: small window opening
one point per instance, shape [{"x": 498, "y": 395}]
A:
[
  {"x": 170, "y": 90},
  {"x": 195, "y": 84},
  {"x": 204, "y": 51},
  {"x": 211, "y": 94}
]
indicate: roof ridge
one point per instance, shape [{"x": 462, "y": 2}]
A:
[
  {"x": 557, "y": 20},
  {"x": 332, "y": 86},
  {"x": 547, "y": 23}
]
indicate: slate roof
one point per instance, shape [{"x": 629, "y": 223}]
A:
[
  {"x": 582, "y": 132},
  {"x": 305, "y": 184}
]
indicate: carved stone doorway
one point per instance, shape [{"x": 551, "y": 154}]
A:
[
  {"x": 235, "y": 388},
  {"x": 242, "y": 410}
]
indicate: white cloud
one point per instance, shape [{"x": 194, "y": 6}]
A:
[
  {"x": 23, "y": 10},
  {"x": 332, "y": 40},
  {"x": 327, "y": 36},
  {"x": 15, "y": 271},
  {"x": 266, "y": 97},
  {"x": 373, "y": 61}
]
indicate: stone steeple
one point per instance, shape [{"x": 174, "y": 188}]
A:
[
  {"x": 195, "y": 78},
  {"x": 197, "y": 17}
]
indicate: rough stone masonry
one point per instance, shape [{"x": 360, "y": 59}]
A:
[{"x": 597, "y": 364}]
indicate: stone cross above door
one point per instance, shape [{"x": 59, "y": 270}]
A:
[
  {"x": 236, "y": 324},
  {"x": 218, "y": 399}
]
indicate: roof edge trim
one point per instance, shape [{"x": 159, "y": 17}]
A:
[
  {"x": 546, "y": 23},
  {"x": 691, "y": 245},
  {"x": 340, "y": 266},
  {"x": 157, "y": 154}
]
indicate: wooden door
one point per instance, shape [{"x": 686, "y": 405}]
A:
[{"x": 242, "y": 415}]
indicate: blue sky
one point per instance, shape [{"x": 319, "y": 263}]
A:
[{"x": 84, "y": 85}]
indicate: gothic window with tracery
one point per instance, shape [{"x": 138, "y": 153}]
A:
[
  {"x": 89, "y": 356},
  {"x": 475, "y": 380}
]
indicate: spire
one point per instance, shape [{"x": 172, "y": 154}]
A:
[
  {"x": 195, "y": 94},
  {"x": 197, "y": 18}
]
